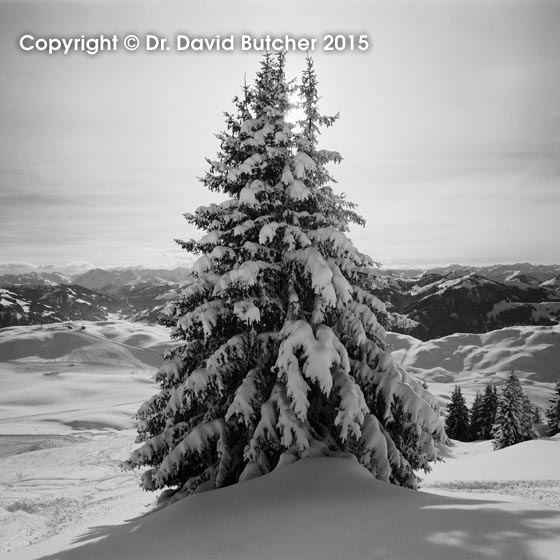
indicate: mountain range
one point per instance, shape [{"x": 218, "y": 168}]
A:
[{"x": 426, "y": 304}]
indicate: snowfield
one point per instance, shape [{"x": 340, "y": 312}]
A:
[
  {"x": 321, "y": 508},
  {"x": 64, "y": 483},
  {"x": 528, "y": 471},
  {"x": 67, "y": 398}
]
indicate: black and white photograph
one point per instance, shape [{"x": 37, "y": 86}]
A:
[{"x": 280, "y": 280}]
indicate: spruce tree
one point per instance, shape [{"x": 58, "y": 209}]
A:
[
  {"x": 283, "y": 352},
  {"x": 537, "y": 415},
  {"x": 514, "y": 415},
  {"x": 488, "y": 412},
  {"x": 553, "y": 411},
  {"x": 457, "y": 423},
  {"x": 477, "y": 425}
]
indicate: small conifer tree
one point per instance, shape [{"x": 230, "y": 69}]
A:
[
  {"x": 553, "y": 411},
  {"x": 514, "y": 415},
  {"x": 488, "y": 411},
  {"x": 537, "y": 415},
  {"x": 457, "y": 422},
  {"x": 283, "y": 351},
  {"x": 477, "y": 418}
]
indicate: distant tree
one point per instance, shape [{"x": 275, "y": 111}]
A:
[
  {"x": 529, "y": 415},
  {"x": 514, "y": 415},
  {"x": 457, "y": 424},
  {"x": 477, "y": 425},
  {"x": 553, "y": 411},
  {"x": 537, "y": 415},
  {"x": 488, "y": 412}
]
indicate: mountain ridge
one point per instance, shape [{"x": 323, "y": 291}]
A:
[{"x": 425, "y": 304}]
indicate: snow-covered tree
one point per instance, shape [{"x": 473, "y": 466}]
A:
[
  {"x": 283, "y": 351},
  {"x": 513, "y": 422},
  {"x": 457, "y": 422},
  {"x": 537, "y": 415},
  {"x": 488, "y": 412},
  {"x": 476, "y": 429},
  {"x": 553, "y": 411}
]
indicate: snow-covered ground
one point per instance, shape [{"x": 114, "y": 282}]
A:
[
  {"x": 315, "y": 509},
  {"x": 528, "y": 472},
  {"x": 63, "y": 495},
  {"x": 64, "y": 484},
  {"x": 69, "y": 392}
]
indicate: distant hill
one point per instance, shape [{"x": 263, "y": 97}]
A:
[
  {"x": 110, "y": 343},
  {"x": 77, "y": 374},
  {"x": 473, "y": 360}
]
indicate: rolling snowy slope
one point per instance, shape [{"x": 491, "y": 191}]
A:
[
  {"x": 60, "y": 377},
  {"x": 473, "y": 360}
]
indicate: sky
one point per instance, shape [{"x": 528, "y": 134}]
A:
[{"x": 449, "y": 126}]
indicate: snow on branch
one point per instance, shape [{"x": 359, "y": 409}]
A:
[
  {"x": 353, "y": 407},
  {"x": 243, "y": 402},
  {"x": 302, "y": 163},
  {"x": 247, "y": 273},
  {"x": 297, "y": 190},
  {"x": 247, "y": 311},
  {"x": 205, "y": 315},
  {"x": 313, "y": 355},
  {"x": 248, "y": 194},
  {"x": 374, "y": 449},
  {"x": 196, "y": 441},
  {"x": 319, "y": 271}
]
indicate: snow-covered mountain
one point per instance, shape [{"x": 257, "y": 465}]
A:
[
  {"x": 35, "y": 279},
  {"x": 426, "y": 304},
  {"x": 48, "y": 297},
  {"x": 434, "y": 305},
  {"x": 51, "y": 303},
  {"x": 110, "y": 281},
  {"x": 498, "y": 272}
]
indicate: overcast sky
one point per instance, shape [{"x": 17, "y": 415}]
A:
[{"x": 449, "y": 128}]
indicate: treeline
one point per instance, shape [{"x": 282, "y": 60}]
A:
[{"x": 507, "y": 416}]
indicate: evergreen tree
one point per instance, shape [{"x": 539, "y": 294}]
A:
[
  {"x": 477, "y": 424},
  {"x": 488, "y": 412},
  {"x": 283, "y": 351},
  {"x": 553, "y": 411},
  {"x": 537, "y": 415},
  {"x": 514, "y": 415},
  {"x": 528, "y": 415},
  {"x": 457, "y": 423}
]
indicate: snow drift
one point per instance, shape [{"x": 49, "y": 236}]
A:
[{"x": 326, "y": 508}]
